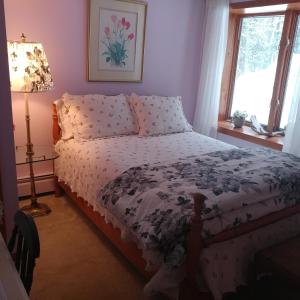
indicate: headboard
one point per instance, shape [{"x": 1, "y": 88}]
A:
[{"x": 56, "y": 131}]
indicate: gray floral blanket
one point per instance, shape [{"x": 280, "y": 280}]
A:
[{"x": 155, "y": 203}]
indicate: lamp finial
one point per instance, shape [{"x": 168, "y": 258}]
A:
[{"x": 23, "y": 38}]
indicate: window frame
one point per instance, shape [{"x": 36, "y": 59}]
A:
[{"x": 292, "y": 15}]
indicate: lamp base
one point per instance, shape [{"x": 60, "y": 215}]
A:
[{"x": 36, "y": 209}]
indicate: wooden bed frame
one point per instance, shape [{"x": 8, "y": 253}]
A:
[{"x": 195, "y": 244}]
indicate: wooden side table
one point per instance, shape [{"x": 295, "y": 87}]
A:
[{"x": 41, "y": 154}]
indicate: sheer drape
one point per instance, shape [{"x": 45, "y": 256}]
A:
[
  {"x": 212, "y": 63},
  {"x": 292, "y": 135}
]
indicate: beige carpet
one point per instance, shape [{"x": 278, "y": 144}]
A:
[{"x": 77, "y": 261}]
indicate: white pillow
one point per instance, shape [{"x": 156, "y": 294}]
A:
[
  {"x": 63, "y": 120},
  {"x": 98, "y": 116},
  {"x": 159, "y": 115}
]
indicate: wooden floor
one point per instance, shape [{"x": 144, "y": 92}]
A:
[{"x": 78, "y": 262}]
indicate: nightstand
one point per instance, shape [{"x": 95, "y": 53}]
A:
[{"x": 41, "y": 154}]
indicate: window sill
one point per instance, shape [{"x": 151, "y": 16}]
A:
[{"x": 247, "y": 134}]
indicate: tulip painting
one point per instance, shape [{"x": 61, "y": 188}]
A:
[
  {"x": 116, "y": 40},
  {"x": 117, "y": 36}
]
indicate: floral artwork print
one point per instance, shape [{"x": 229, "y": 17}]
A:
[
  {"x": 117, "y": 37},
  {"x": 116, "y": 40}
]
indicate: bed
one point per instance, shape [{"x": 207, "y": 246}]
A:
[{"x": 100, "y": 174}]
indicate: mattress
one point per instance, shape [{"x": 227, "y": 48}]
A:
[{"x": 88, "y": 166}]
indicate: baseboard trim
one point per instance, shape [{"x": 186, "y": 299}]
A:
[{"x": 23, "y": 198}]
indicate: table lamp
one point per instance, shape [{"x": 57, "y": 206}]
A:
[{"x": 29, "y": 73}]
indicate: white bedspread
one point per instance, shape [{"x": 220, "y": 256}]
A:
[{"x": 88, "y": 166}]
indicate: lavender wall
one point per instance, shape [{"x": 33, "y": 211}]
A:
[
  {"x": 171, "y": 63},
  {"x": 7, "y": 159},
  {"x": 171, "y": 53}
]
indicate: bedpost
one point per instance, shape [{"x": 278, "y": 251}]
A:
[
  {"x": 58, "y": 191},
  {"x": 56, "y": 133},
  {"x": 188, "y": 289},
  {"x": 195, "y": 244},
  {"x": 55, "y": 128}
]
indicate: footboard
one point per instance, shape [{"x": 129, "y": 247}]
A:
[{"x": 196, "y": 244}]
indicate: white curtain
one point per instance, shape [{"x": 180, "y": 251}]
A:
[
  {"x": 292, "y": 134},
  {"x": 212, "y": 63}
]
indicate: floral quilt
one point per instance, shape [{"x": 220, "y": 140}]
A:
[{"x": 155, "y": 201}]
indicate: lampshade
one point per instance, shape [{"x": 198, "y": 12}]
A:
[{"x": 28, "y": 67}]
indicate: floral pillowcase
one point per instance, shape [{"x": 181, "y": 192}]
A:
[
  {"x": 159, "y": 115},
  {"x": 98, "y": 116}
]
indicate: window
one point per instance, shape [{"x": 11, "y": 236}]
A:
[{"x": 262, "y": 69}]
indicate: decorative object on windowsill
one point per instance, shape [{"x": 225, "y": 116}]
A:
[
  {"x": 29, "y": 73},
  {"x": 238, "y": 118},
  {"x": 259, "y": 129}
]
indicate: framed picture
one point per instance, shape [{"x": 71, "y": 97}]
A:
[{"x": 116, "y": 40}]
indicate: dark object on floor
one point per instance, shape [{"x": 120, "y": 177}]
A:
[
  {"x": 267, "y": 288},
  {"x": 24, "y": 246},
  {"x": 282, "y": 261},
  {"x": 277, "y": 275}
]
